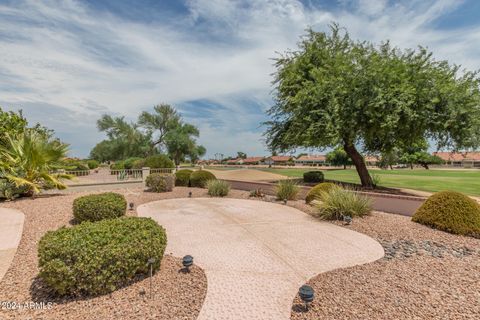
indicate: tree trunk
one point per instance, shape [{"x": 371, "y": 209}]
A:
[
  {"x": 411, "y": 166},
  {"x": 344, "y": 167},
  {"x": 360, "y": 165}
]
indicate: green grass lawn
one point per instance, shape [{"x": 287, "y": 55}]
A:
[{"x": 466, "y": 181}]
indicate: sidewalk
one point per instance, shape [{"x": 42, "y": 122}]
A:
[{"x": 11, "y": 227}]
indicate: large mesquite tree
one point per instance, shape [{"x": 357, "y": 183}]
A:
[{"x": 334, "y": 91}]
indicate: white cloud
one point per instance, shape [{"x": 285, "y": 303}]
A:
[{"x": 65, "y": 54}]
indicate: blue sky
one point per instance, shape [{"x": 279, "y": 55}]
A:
[{"x": 67, "y": 62}]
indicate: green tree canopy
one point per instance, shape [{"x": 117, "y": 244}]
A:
[
  {"x": 158, "y": 123},
  {"x": 334, "y": 91},
  {"x": 338, "y": 157},
  {"x": 181, "y": 143}
]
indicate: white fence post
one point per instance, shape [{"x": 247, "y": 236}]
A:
[{"x": 145, "y": 174}]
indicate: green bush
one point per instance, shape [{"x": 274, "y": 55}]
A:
[
  {"x": 158, "y": 161},
  {"x": 313, "y": 176},
  {"x": 338, "y": 202},
  {"x": 316, "y": 192},
  {"x": 287, "y": 189},
  {"x": 199, "y": 178},
  {"x": 98, "y": 258},
  {"x": 158, "y": 182},
  {"x": 9, "y": 191},
  {"x": 117, "y": 165},
  {"x": 450, "y": 211},
  {"x": 182, "y": 177},
  {"x": 217, "y": 188},
  {"x": 129, "y": 163},
  {"x": 101, "y": 206},
  {"x": 92, "y": 164}
]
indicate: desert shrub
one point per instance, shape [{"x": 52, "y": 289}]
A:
[
  {"x": 217, "y": 188},
  {"x": 73, "y": 165},
  {"x": 182, "y": 177},
  {"x": 256, "y": 193},
  {"x": 92, "y": 164},
  {"x": 101, "y": 206},
  {"x": 138, "y": 164},
  {"x": 98, "y": 258},
  {"x": 199, "y": 178},
  {"x": 128, "y": 163},
  {"x": 316, "y": 192},
  {"x": 376, "y": 179},
  {"x": 158, "y": 161},
  {"x": 158, "y": 182},
  {"x": 450, "y": 211},
  {"x": 287, "y": 189},
  {"x": 313, "y": 176},
  {"x": 117, "y": 165},
  {"x": 9, "y": 191},
  {"x": 338, "y": 202}
]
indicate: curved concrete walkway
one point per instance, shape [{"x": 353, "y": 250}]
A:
[
  {"x": 255, "y": 254},
  {"x": 11, "y": 227}
]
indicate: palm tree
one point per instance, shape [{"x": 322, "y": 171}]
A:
[{"x": 28, "y": 158}]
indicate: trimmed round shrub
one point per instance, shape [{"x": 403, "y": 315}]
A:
[
  {"x": 316, "y": 192},
  {"x": 158, "y": 161},
  {"x": 96, "y": 207},
  {"x": 217, "y": 188},
  {"x": 98, "y": 258},
  {"x": 199, "y": 178},
  {"x": 158, "y": 182},
  {"x": 92, "y": 164},
  {"x": 450, "y": 211},
  {"x": 182, "y": 177},
  {"x": 313, "y": 176}
]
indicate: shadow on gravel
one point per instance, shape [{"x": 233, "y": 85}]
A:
[{"x": 41, "y": 292}]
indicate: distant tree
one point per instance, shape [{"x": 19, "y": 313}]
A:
[
  {"x": 389, "y": 159},
  {"x": 181, "y": 143},
  {"x": 338, "y": 157},
  {"x": 335, "y": 91},
  {"x": 125, "y": 139},
  {"x": 421, "y": 158},
  {"x": 159, "y": 123},
  {"x": 197, "y": 153},
  {"x": 241, "y": 155}
]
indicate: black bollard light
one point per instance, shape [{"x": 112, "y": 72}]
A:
[
  {"x": 285, "y": 201},
  {"x": 306, "y": 294},
  {"x": 150, "y": 262},
  {"x": 347, "y": 220},
  {"x": 190, "y": 194},
  {"x": 187, "y": 262},
  {"x": 131, "y": 205}
]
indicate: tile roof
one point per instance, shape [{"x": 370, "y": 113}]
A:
[
  {"x": 280, "y": 158},
  {"x": 458, "y": 156},
  {"x": 253, "y": 159},
  {"x": 319, "y": 157}
]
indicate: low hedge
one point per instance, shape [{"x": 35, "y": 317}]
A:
[
  {"x": 96, "y": 207},
  {"x": 158, "y": 161},
  {"x": 98, "y": 258},
  {"x": 313, "y": 176},
  {"x": 92, "y": 164},
  {"x": 199, "y": 178},
  {"x": 158, "y": 182},
  {"x": 316, "y": 192},
  {"x": 450, "y": 211},
  {"x": 182, "y": 177}
]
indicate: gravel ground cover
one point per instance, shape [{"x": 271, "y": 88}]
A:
[
  {"x": 425, "y": 274},
  {"x": 176, "y": 295}
]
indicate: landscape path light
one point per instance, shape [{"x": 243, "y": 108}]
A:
[
  {"x": 131, "y": 205},
  {"x": 150, "y": 262},
  {"x": 187, "y": 262},
  {"x": 306, "y": 294}
]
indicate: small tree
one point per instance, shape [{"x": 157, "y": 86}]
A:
[
  {"x": 338, "y": 157},
  {"x": 335, "y": 91},
  {"x": 241, "y": 155}
]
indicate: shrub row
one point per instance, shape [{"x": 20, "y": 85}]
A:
[{"x": 154, "y": 162}]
